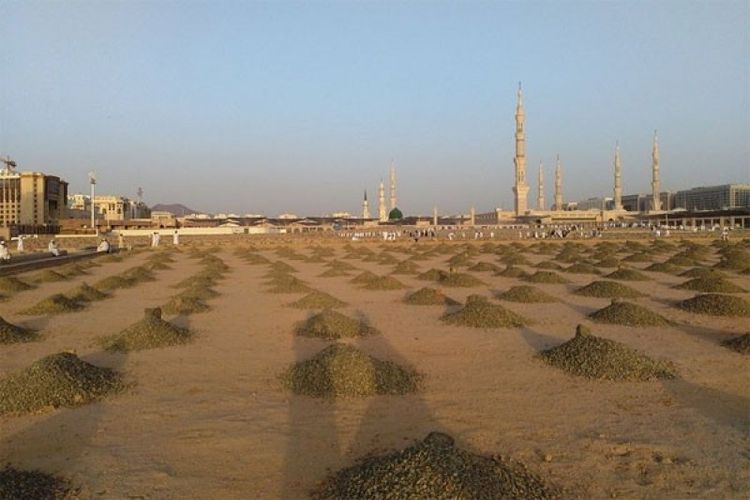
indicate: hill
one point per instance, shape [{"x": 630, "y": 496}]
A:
[{"x": 176, "y": 209}]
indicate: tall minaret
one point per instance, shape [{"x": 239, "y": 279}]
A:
[
  {"x": 655, "y": 183},
  {"x": 393, "y": 185},
  {"x": 558, "y": 185},
  {"x": 473, "y": 216},
  {"x": 540, "y": 193},
  {"x": 618, "y": 178},
  {"x": 521, "y": 189},
  {"x": 434, "y": 216},
  {"x": 365, "y": 208},
  {"x": 382, "y": 210}
]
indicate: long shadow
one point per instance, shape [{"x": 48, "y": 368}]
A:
[
  {"x": 66, "y": 434},
  {"x": 538, "y": 341},
  {"x": 311, "y": 430},
  {"x": 721, "y": 407},
  {"x": 314, "y": 445}
]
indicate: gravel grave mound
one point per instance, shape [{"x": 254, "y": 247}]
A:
[
  {"x": 149, "y": 333},
  {"x": 196, "y": 281},
  {"x": 663, "y": 267},
  {"x": 629, "y": 314},
  {"x": 431, "y": 275},
  {"x": 185, "y": 303},
  {"x": 406, "y": 267},
  {"x": 527, "y": 294},
  {"x": 86, "y": 293},
  {"x": 479, "y": 312},
  {"x": 61, "y": 379},
  {"x": 317, "y": 300},
  {"x": 383, "y": 283},
  {"x": 436, "y": 469},
  {"x": 608, "y": 262},
  {"x": 740, "y": 344},
  {"x": 429, "y": 297},
  {"x": 594, "y": 357},
  {"x": 627, "y": 275},
  {"x": 138, "y": 274},
  {"x": 72, "y": 270},
  {"x": 18, "y": 484},
  {"x": 12, "y": 334},
  {"x": 255, "y": 259},
  {"x": 459, "y": 280},
  {"x": 333, "y": 273},
  {"x": 715, "y": 304},
  {"x": 549, "y": 277},
  {"x": 511, "y": 271},
  {"x": 286, "y": 283},
  {"x": 48, "y": 276},
  {"x": 11, "y": 284},
  {"x": 711, "y": 284},
  {"x": 114, "y": 282},
  {"x": 608, "y": 290},
  {"x": 582, "y": 268},
  {"x": 331, "y": 325},
  {"x": 702, "y": 272},
  {"x": 364, "y": 278},
  {"x": 341, "y": 370},
  {"x": 549, "y": 265},
  {"x": 484, "y": 267},
  {"x": 54, "y": 304}
]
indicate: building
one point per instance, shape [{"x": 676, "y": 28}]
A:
[
  {"x": 30, "y": 202},
  {"x": 598, "y": 203},
  {"x": 727, "y": 196},
  {"x": 119, "y": 208},
  {"x": 643, "y": 202}
]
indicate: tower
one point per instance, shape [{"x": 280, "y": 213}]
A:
[
  {"x": 520, "y": 189},
  {"x": 618, "y": 179},
  {"x": 540, "y": 193},
  {"x": 655, "y": 182},
  {"x": 382, "y": 210},
  {"x": 558, "y": 185},
  {"x": 434, "y": 216},
  {"x": 473, "y": 216},
  {"x": 365, "y": 208},
  {"x": 393, "y": 185}
]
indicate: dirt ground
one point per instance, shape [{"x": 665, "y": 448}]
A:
[{"x": 211, "y": 419}]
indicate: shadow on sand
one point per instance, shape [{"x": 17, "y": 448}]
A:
[{"x": 315, "y": 448}]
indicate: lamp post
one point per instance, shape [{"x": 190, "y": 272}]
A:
[{"x": 92, "y": 181}]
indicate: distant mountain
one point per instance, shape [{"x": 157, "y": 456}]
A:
[{"x": 176, "y": 209}]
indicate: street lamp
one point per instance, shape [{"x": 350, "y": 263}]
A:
[{"x": 92, "y": 181}]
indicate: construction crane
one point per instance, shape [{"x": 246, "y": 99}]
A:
[{"x": 9, "y": 164}]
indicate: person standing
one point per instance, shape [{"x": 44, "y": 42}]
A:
[
  {"x": 20, "y": 244},
  {"x": 4, "y": 252},
  {"x": 176, "y": 238}
]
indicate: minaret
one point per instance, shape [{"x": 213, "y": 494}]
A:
[
  {"x": 473, "y": 216},
  {"x": 393, "y": 185},
  {"x": 521, "y": 189},
  {"x": 655, "y": 183},
  {"x": 540, "y": 193},
  {"x": 365, "y": 208},
  {"x": 434, "y": 216},
  {"x": 618, "y": 178},
  {"x": 382, "y": 210},
  {"x": 558, "y": 185}
]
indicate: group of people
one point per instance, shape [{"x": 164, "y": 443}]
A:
[{"x": 156, "y": 238}]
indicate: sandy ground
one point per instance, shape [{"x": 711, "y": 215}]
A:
[{"x": 211, "y": 420}]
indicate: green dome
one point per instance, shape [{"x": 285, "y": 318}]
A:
[{"x": 395, "y": 214}]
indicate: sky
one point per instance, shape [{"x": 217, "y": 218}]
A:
[{"x": 271, "y": 107}]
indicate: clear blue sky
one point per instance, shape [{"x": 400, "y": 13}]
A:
[{"x": 284, "y": 106}]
